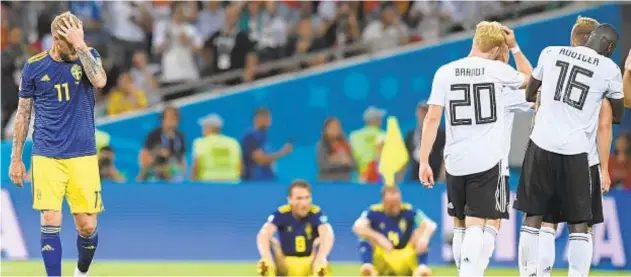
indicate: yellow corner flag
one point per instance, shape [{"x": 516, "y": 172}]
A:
[{"x": 394, "y": 155}]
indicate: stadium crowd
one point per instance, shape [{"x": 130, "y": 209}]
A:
[{"x": 151, "y": 45}]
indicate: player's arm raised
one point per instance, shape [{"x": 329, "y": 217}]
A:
[
  {"x": 522, "y": 63},
  {"x": 73, "y": 32},
  {"x": 603, "y": 139}
]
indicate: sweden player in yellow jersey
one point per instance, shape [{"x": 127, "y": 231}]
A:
[
  {"x": 394, "y": 237},
  {"x": 59, "y": 84},
  {"x": 305, "y": 237}
]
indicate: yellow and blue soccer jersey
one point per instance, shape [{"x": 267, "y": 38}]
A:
[
  {"x": 63, "y": 100},
  {"x": 398, "y": 229},
  {"x": 296, "y": 235}
]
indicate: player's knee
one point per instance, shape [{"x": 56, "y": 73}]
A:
[
  {"x": 367, "y": 270},
  {"x": 495, "y": 223},
  {"x": 578, "y": 227},
  {"x": 86, "y": 224},
  {"x": 533, "y": 221},
  {"x": 50, "y": 218},
  {"x": 549, "y": 225},
  {"x": 459, "y": 222},
  {"x": 471, "y": 221}
]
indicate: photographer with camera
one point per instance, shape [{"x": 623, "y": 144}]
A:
[
  {"x": 162, "y": 157},
  {"x": 107, "y": 170}
]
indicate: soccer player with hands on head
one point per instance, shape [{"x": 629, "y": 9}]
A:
[
  {"x": 474, "y": 88},
  {"x": 59, "y": 85},
  {"x": 394, "y": 237},
  {"x": 305, "y": 237}
]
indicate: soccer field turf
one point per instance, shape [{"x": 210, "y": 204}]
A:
[{"x": 109, "y": 268}]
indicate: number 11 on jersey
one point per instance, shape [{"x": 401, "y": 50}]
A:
[{"x": 63, "y": 87}]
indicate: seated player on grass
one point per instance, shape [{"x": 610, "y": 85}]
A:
[
  {"x": 305, "y": 237},
  {"x": 398, "y": 234}
]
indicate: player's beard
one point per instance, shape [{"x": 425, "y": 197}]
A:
[{"x": 66, "y": 57}]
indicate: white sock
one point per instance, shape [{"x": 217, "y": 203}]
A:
[
  {"x": 591, "y": 251},
  {"x": 488, "y": 245},
  {"x": 471, "y": 250},
  {"x": 528, "y": 245},
  {"x": 545, "y": 263},
  {"x": 456, "y": 244},
  {"x": 579, "y": 254}
]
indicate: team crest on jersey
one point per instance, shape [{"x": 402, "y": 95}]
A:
[
  {"x": 382, "y": 226},
  {"x": 76, "y": 71},
  {"x": 308, "y": 230},
  {"x": 289, "y": 229},
  {"x": 403, "y": 225}
]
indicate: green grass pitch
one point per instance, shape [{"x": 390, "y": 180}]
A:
[{"x": 165, "y": 268}]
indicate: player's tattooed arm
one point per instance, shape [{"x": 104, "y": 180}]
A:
[
  {"x": 93, "y": 67},
  {"x": 532, "y": 89},
  {"x": 22, "y": 123}
]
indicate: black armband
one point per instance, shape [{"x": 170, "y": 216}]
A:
[{"x": 617, "y": 110}]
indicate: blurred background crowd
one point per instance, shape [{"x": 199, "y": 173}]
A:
[{"x": 156, "y": 51}]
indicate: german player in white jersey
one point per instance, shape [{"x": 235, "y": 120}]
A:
[
  {"x": 472, "y": 89},
  {"x": 555, "y": 172},
  {"x": 541, "y": 252}
]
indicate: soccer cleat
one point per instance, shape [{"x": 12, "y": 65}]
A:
[
  {"x": 265, "y": 269},
  {"x": 78, "y": 273}
]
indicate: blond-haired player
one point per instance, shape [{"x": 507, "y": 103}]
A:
[
  {"x": 473, "y": 89},
  {"x": 305, "y": 237},
  {"x": 60, "y": 85}
]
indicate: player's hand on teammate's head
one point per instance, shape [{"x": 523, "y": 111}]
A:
[
  {"x": 72, "y": 31},
  {"x": 511, "y": 41},
  {"x": 605, "y": 181},
  {"x": 426, "y": 175},
  {"x": 17, "y": 172}
]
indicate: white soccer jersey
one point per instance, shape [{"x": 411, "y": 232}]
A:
[
  {"x": 576, "y": 80},
  {"x": 515, "y": 103},
  {"x": 472, "y": 92}
]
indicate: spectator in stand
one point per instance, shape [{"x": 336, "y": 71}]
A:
[
  {"x": 162, "y": 157},
  {"x": 127, "y": 30},
  {"x": 107, "y": 169},
  {"x": 304, "y": 9},
  {"x": 620, "y": 163},
  {"x": 273, "y": 35},
  {"x": 364, "y": 140},
  {"x": 334, "y": 156},
  {"x": 386, "y": 33},
  {"x": 413, "y": 144},
  {"x": 216, "y": 157},
  {"x": 177, "y": 41},
  {"x": 90, "y": 14},
  {"x": 125, "y": 97},
  {"x": 210, "y": 19},
  {"x": 12, "y": 59},
  {"x": 257, "y": 155},
  {"x": 144, "y": 76},
  {"x": 231, "y": 48},
  {"x": 306, "y": 42},
  {"x": 345, "y": 29},
  {"x": 432, "y": 18}
]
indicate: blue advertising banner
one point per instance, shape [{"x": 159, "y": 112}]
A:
[
  {"x": 300, "y": 105},
  {"x": 220, "y": 222}
]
